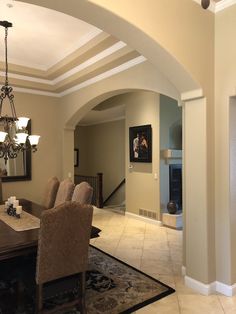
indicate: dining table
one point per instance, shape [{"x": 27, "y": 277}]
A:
[{"x": 17, "y": 243}]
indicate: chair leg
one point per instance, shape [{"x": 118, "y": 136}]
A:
[
  {"x": 39, "y": 299},
  {"x": 82, "y": 288}
]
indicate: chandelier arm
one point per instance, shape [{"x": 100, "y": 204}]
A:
[
  {"x": 13, "y": 110},
  {"x": 1, "y": 101}
]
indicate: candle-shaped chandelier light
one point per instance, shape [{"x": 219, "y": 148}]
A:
[{"x": 14, "y": 137}]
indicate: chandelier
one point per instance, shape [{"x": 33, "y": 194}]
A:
[{"x": 14, "y": 137}]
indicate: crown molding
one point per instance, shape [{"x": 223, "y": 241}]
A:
[
  {"x": 104, "y": 75},
  {"x": 83, "y": 41},
  {"x": 218, "y": 6},
  {"x": 120, "y": 68},
  {"x": 105, "y": 53},
  {"x": 35, "y": 92},
  {"x": 223, "y": 5}
]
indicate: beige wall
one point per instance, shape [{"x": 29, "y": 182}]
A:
[
  {"x": 47, "y": 161},
  {"x": 104, "y": 151},
  {"x": 169, "y": 114},
  {"x": 142, "y": 190},
  {"x": 81, "y": 142}
]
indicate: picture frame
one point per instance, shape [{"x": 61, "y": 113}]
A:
[
  {"x": 76, "y": 157},
  {"x": 140, "y": 143}
]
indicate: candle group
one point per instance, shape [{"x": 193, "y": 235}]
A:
[{"x": 15, "y": 203}]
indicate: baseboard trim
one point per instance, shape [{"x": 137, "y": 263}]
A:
[
  {"x": 227, "y": 290},
  {"x": 207, "y": 289},
  {"x": 152, "y": 221}
]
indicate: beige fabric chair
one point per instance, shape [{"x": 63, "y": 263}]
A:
[
  {"x": 63, "y": 248},
  {"x": 50, "y": 192},
  {"x": 64, "y": 192},
  {"x": 83, "y": 193}
]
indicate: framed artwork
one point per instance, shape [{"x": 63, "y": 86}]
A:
[
  {"x": 76, "y": 157},
  {"x": 140, "y": 143}
]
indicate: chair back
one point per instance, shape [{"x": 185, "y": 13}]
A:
[
  {"x": 50, "y": 192},
  {"x": 63, "y": 241},
  {"x": 64, "y": 192},
  {"x": 83, "y": 193}
]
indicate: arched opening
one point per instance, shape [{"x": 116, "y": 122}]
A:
[{"x": 183, "y": 83}]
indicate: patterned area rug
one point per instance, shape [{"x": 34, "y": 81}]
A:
[{"x": 113, "y": 287}]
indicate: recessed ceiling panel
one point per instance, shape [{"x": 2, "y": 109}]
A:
[{"x": 41, "y": 37}]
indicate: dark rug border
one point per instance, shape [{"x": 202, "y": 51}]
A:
[{"x": 146, "y": 302}]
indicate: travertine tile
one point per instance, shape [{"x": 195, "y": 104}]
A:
[
  {"x": 167, "y": 305},
  {"x": 228, "y": 304},
  {"x": 199, "y": 304},
  {"x": 157, "y": 251}
]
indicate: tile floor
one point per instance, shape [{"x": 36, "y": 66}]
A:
[{"x": 156, "y": 251}]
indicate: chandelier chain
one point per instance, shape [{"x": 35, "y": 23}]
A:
[{"x": 6, "y": 60}]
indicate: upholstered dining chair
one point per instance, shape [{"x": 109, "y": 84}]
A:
[
  {"x": 64, "y": 192},
  {"x": 50, "y": 192},
  {"x": 63, "y": 250},
  {"x": 83, "y": 193}
]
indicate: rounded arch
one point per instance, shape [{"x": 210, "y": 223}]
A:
[
  {"x": 143, "y": 40},
  {"x": 141, "y": 77}
]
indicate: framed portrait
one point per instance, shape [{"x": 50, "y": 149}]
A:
[
  {"x": 76, "y": 157},
  {"x": 140, "y": 143}
]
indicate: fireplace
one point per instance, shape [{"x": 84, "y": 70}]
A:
[{"x": 175, "y": 183}]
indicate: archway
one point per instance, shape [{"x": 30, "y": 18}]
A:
[{"x": 169, "y": 60}]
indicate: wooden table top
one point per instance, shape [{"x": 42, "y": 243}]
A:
[{"x": 16, "y": 243}]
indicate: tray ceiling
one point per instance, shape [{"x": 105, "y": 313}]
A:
[{"x": 54, "y": 54}]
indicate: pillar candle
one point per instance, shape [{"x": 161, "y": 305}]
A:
[{"x": 19, "y": 209}]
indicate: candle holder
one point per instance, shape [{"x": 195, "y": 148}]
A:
[
  {"x": 11, "y": 211},
  {"x": 12, "y": 207}
]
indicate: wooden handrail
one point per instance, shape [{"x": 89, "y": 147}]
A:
[
  {"x": 97, "y": 184},
  {"x": 114, "y": 191}
]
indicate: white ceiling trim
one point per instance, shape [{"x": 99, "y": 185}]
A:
[
  {"x": 211, "y": 7},
  {"x": 104, "y": 75},
  {"x": 27, "y": 78},
  {"x": 35, "y": 92},
  {"x": 83, "y": 41},
  {"x": 95, "y": 79},
  {"x": 105, "y": 53},
  {"x": 223, "y": 5},
  {"x": 218, "y": 6}
]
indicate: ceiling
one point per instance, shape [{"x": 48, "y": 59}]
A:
[
  {"x": 51, "y": 53},
  {"x": 54, "y": 54}
]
